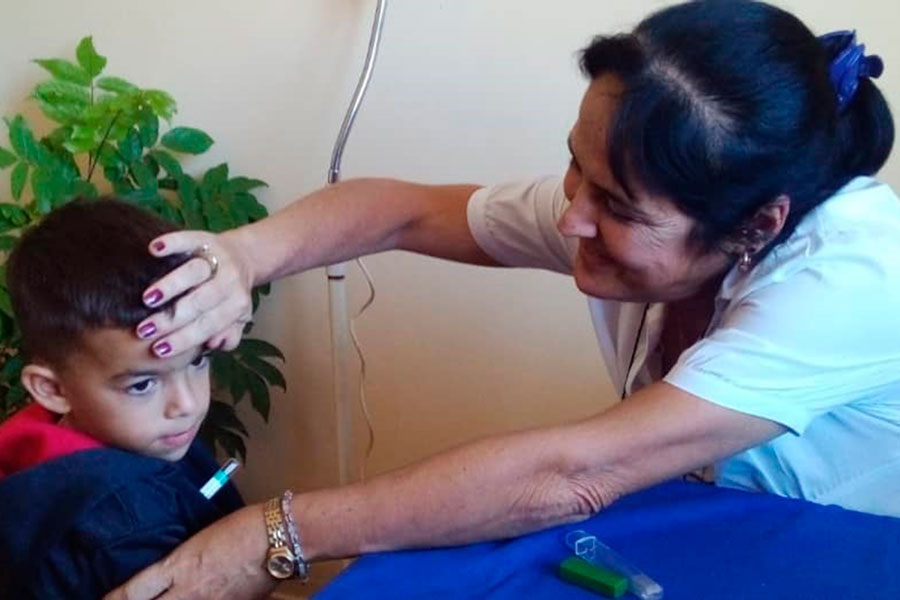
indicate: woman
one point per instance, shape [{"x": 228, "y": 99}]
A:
[{"x": 743, "y": 276}]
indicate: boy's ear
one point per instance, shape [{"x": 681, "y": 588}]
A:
[{"x": 43, "y": 384}]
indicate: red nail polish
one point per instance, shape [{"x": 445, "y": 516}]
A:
[
  {"x": 162, "y": 349},
  {"x": 146, "y": 330},
  {"x": 159, "y": 246},
  {"x": 152, "y": 297}
]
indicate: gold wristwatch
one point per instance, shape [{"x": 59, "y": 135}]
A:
[{"x": 280, "y": 559}]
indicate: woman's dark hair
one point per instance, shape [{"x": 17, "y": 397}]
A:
[
  {"x": 727, "y": 105},
  {"x": 84, "y": 267}
]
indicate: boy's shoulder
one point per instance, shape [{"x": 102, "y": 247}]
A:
[{"x": 105, "y": 510}]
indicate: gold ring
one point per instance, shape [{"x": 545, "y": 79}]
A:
[{"x": 203, "y": 252}]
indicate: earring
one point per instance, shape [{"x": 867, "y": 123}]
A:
[{"x": 745, "y": 262}]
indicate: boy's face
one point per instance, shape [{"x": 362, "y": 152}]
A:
[{"x": 122, "y": 395}]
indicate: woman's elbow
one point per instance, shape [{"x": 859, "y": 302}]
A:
[
  {"x": 570, "y": 493},
  {"x": 590, "y": 493}
]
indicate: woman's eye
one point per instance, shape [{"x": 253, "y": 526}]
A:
[
  {"x": 201, "y": 361},
  {"x": 141, "y": 387},
  {"x": 615, "y": 209}
]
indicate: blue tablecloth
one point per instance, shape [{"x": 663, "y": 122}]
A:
[{"x": 698, "y": 541}]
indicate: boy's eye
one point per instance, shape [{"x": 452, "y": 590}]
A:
[
  {"x": 201, "y": 361},
  {"x": 141, "y": 387}
]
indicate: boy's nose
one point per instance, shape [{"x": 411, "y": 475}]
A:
[{"x": 181, "y": 402}]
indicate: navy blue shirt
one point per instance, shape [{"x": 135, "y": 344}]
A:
[{"x": 80, "y": 525}]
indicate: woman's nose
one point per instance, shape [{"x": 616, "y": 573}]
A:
[{"x": 579, "y": 219}]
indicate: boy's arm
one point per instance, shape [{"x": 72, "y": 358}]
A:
[
  {"x": 85, "y": 566},
  {"x": 134, "y": 526}
]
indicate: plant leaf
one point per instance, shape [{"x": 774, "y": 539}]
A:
[
  {"x": 15, "y": 214},
  {"x": 267, "y": 371},
  {"x": 64, "y": 113},
  {"x": 142, "y": 196},
  {"x": 116, "y": 85},
  {"x": 12, "y": 368},
  {"x": 47, "y": 189},
  {"x": 187, "y": 140},
  {"x": 5, "y": 302},
  {"x": 217, "y": 217},
  {"x": 148, "y": 127},
  {"x": 216, "y": 176},
  {"x": 245, "y": 184},
  {"x": 161, "y": 102},
  {"x": 167, "y": 162},
  {"x": 7, "y": 158},
  {"x": 259, "y": 395},
  {"x": 22, "y": 140},
  {"x": 143, "y": 177},
  {"x": 250, "y": 206},
  {"x": 8, "y": 242},
  {"x": 151, "y": 164},
  {"x": 62, "y": 92},
  {"x": 231, "y": 443},
  {"x": 17, "y": 179},
  {"x": 223, "y": 415},
  {"x": 121, "y": 186},
  {"x": 81, "y": 139},
  {"x": 84, "y": 189},
  {"x": 65, "y": 70},
  {"x": 257, "y": 347},
  {"x": 88, "y": 58},
  {"x": 238, "y": 388},
  {"x": 187, "y": 193},
  {"x": 130, "y": 147},
  {"x": 109, "y": 157},
  {"x": 222, "y": 365}
]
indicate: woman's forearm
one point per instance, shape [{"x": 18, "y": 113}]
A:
[
  {"x": 513, "y": 484},
  {"x": 357, "y": 218},
  {"x": 495, "y": 488}
]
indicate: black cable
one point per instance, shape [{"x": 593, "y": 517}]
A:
[{"x": 637, "y": 340}]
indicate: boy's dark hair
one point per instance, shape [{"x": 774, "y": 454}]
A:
[
  {"x": 727, "y": 105},
  {"x": 84, "y": 267}
]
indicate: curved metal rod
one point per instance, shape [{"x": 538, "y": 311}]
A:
[
  {"x": 342, "y": 334},
  {"x": 334, "y": 172}
]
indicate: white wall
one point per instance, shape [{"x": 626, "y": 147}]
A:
[{"x": 464, "y": 91}]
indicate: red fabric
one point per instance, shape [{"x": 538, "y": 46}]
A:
[{"x": 32, "y": 436}]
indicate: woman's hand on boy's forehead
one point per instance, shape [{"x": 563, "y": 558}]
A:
[{"x": 213, "y": 313}]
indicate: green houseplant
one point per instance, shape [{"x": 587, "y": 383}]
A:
[{"x": 107, "y": 139}]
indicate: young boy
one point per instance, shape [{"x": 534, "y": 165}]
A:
[{"x": 100, "y": 476}]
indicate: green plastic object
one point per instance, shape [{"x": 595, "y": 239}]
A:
[{"x": 577, "y": 571}]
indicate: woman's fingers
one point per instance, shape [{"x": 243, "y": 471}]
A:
[
  {"x": 222, "y": 561},
  {"x": 179, "y": 242},
  {"x": 150, "y": 583},
  {"x": 228, "y": 340},
  {"x": 215, "y": 305},
  {"x": 189, "y": 275},
  {"x": 195, "y": 320}
]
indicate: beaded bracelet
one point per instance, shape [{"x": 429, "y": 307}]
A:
[{"x": 300, "y": 565}]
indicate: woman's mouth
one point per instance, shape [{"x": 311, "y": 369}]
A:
[{"x": 593, "y": 255}]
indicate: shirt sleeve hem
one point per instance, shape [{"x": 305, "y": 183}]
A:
[{"x": 722, "y": 393}]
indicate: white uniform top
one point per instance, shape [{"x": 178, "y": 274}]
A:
[{"x": 809, "y": 338}]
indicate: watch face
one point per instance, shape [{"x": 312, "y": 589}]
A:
[{"x": 280, "y": 566}]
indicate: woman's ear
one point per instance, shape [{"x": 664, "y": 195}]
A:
[
  {"x": 44, "y": 387},
  {"x": 767, "y": 223},
  {"x": 761, "y": 229}
]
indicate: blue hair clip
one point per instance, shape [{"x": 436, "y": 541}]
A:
[{"x": 849, "y": 65}]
